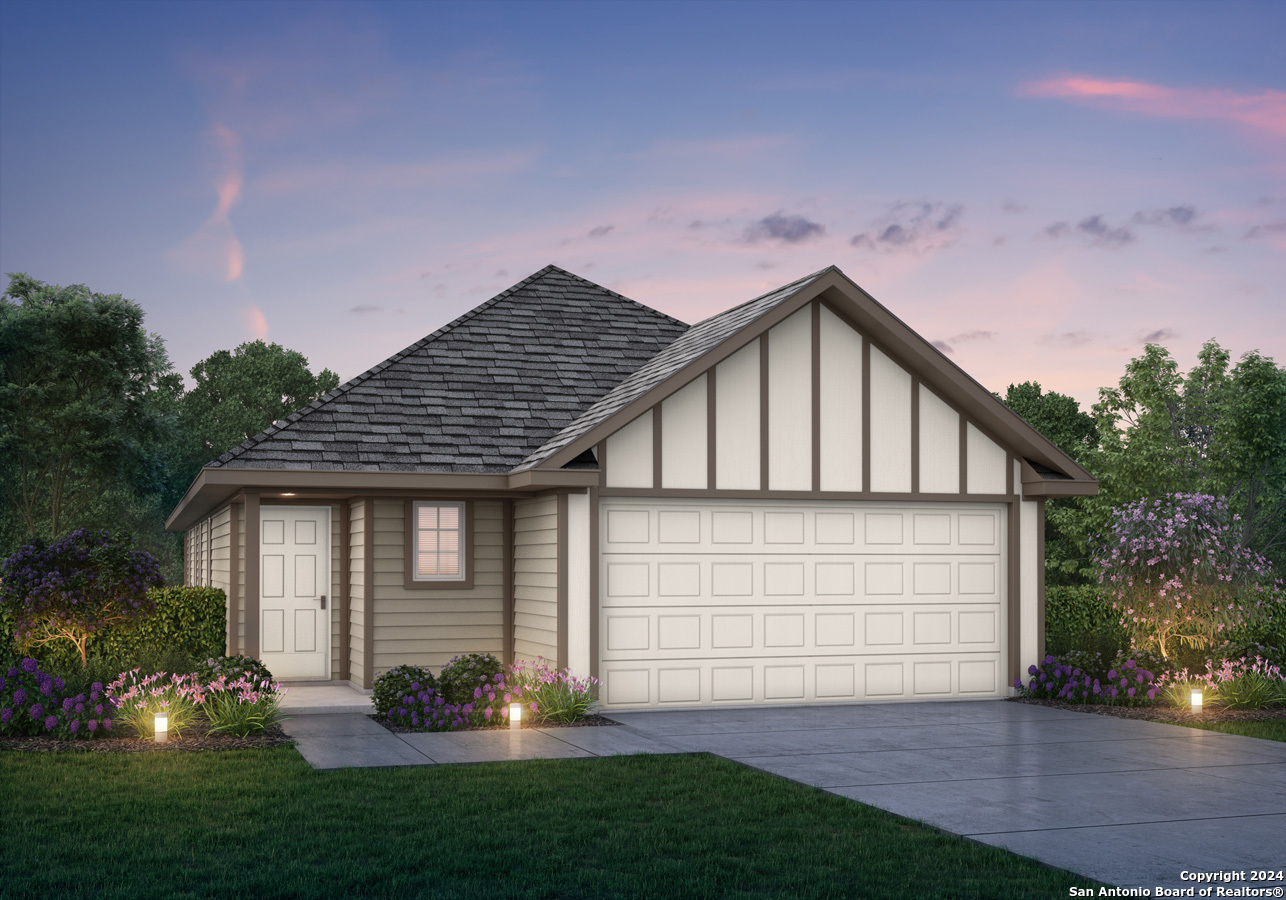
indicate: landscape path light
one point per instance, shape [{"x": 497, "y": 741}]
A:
[
  {"x": 515, "y": 715},
  {"x": 1196, "y": 700},
  {"x": 162, "y": 728}
]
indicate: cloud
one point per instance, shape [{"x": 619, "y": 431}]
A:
[
  {"x": 601, "y": 230},
  {"x": 1182, "y": 216},
  {"x": 1263, "y": 112},
  {"x": 215, "y": 243},
  {"x": 1012, "y": 207},
  {"x": 784, "y": 228},
  {"x": 1272, "y": 229},
  {"x": 1161, "y": 334},
  {"x": 915, "y": 227},
  {"x": 253, "y": 318},
  {"x": 948, "y": 346},
  {"x": 1096, "y": 229},
  {"x": 366, "y": 308},
  {"x": 1069, "y": 339}
]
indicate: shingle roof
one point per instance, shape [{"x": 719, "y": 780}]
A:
[
  {"x": 693, "y": 343},
  {"x": 478, "y": 394}
]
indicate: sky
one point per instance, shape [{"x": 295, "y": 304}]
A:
[{"x": 1038, "y": 188}]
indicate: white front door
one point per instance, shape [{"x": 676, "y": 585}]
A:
[{"x": 294, "y": 588}]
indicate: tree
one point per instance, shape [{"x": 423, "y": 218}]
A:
[
  {"x": 73, "y": 588},
  {"x": 1176, "y": 571},
  {"x": 78, "y": 423},
  {"x": 240, "y": 393},
  {"x": 1059, "y": 418}
]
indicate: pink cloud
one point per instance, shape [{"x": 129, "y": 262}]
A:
[
  {"x": 1263, "y": 112},
  {"x": 255, "y": 321},
  {"x": 216, "y": 242}
]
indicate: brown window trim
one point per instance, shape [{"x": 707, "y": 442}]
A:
[{"x": 408, "y": 561}]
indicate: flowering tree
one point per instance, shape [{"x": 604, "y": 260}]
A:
[
  {"x": 71, "y": 589},
  {"x": 1176, "y": 571}
]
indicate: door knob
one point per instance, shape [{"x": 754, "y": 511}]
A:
[{"x": 323, "y": 599}]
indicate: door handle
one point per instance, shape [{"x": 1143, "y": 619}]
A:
[{"x": 323, "y": 599}]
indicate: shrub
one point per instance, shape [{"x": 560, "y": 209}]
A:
[
  {"x": 75, "y": 587},
  {"x": 242, "y": 706},
  {"x": 397, "y": 682},
  {"x": 234, "y": 667},
  {"x": 428, "y": 708},
  {"x": 1242, "y": 684},
  {"x": 556, "y": 696},
  {"x": 1175, "y": 688},
  {"x": 463, "y": 674},
  {"x": 1129, "y": 685},
  {"x": 140, "y": 698},
  {"x": 33, "y": 702},
  {"x": 1177, "y": 573}
]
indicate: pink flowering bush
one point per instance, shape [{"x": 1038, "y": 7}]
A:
[
  {"x": 560, "y": 696},
  {"x": 243, "y": 705},
  {"x": 1236, "y": 684},
  {"x": 139, "y": 699},
  {"x": 1177, "y": 575}
]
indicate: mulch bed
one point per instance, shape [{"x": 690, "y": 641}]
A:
[
  {"x": 195, "y": 737},
  {"x": 1161, "y": 713},
  {"x": 527, "y": 723}
]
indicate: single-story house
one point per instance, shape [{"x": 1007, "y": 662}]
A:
[{"x": 799, "y": 500}]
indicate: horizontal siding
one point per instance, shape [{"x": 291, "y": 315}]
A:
[
  {"x": 428, "y": 627},
  {"x": 356, "y": 587},
  {"x": 221, "y": 549},
  {"x": 536, "y": 578}
]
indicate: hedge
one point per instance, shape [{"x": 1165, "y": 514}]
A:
[
  {"x": 1077, "y": 608},
  {"x": 189, "y": 619}
]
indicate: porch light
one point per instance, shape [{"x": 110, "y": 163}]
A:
[
  {"x": 515, "y": 715},
  {"x": 162, "y": 728},
  {"x": 1196, "y": 699}
]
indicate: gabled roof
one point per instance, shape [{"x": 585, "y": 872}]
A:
[
  {"x": 695, "y": 343},
  {"x": 478, "y": 394}
]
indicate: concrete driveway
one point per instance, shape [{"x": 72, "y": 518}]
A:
[{"x": 1130, "y": 803}]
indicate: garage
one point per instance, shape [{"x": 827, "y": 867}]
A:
[{"x": 734, "y": 602}]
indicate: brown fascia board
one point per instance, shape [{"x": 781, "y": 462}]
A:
[
  {"x": 217, "y": 485},
  {"x": 871, "y": 318}
]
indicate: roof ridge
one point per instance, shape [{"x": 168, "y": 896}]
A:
[
  {"x": 252, "y": 442},
  {"x": 797, "y": 281},
  {"x": 619, "y": 296}
]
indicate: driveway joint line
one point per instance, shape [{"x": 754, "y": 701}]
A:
[{"x": 1125, "y": 824}]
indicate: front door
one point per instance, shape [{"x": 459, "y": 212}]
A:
[{"x": 294, "y": 581}]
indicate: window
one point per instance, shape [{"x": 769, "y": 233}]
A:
[{"x": 437, "y": 545}]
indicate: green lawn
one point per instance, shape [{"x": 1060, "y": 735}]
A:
[
  {"x": 1269, "y": 730},
  {"x": 263, "y": 824}
]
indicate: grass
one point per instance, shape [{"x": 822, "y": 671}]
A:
[
  {"x": 263, "y": 824},
  {"x": 1268, "y": 729}
]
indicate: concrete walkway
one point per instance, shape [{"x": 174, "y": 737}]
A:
[{"x": 1130, "y": 803}]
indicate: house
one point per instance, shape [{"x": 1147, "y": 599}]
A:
[{"x": 798, "y": 500}]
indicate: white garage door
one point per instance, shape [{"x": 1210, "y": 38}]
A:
[{"x": 740, "y": 602}]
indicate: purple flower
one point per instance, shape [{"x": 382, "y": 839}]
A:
[
  {"x": 29, "y": 665},
  {"x": 107, "y": 724},
  {"x": 96, "y": 687},
  {"x": 36, "y": 711},
  {"x": 92, "y": 725},
  {"x": 75, "y": 725},
  {"x": 98, "y": 709},
  {"x": 5, "y": 715},
  {"x": 68, "y": 703},
  {"x": 1131, "y": 693},
  {"x": 19, "y": 696},
  {"x": 47, "y": 687},
  {"x": 50, "y": 722},
  {"x": 80, "y": 707}
]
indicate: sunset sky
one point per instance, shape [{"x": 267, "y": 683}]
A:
[{"x": 1041, "y": 188}]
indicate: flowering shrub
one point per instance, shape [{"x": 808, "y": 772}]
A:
[
  {"x": 465, "y": 674},
  {"x": 234, "y": 667},
  {"x": 397, "y": 682},
  {"x": 34, "y": 702},
  {"x": 1129, "y": 685},
  {"x": 427, "y": 707},
  {"x": 243, "y": 706},
  {"x": 139, "y": 700},
  {"x": 559, "y": 696},
  {"x": 74, "y": 587},
  {"x": 1176, "y": 572},
  {"x": 1242, "y": 684},
  {"x": 1175, "y": 688}
]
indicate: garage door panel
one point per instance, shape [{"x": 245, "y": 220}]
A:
[
  {"x": 748, "y": 680},
  {"x": 714, "y": 632},
  {"x": 744, "y": 602},
  {"x": 636, "y": 579},
  {"x": 644, "y": 527}
]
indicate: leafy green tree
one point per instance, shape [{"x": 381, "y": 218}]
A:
[
  {"x": 1059, "y": 418},
  {"x": 240, "y": 393},
  {"x": 80, "y": 426}
]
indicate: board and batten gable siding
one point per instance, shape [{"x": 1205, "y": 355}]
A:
[
  {"x": 536, "y": 578},
  {"x": 429, "y": 627},
  {"x": 810, "y": 405}
]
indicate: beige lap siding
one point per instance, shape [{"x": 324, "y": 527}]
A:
[
  {"x": 356, "y": 588},
  {"x": 536, "y": 578},
  {"x": 429, "y": 627}
]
